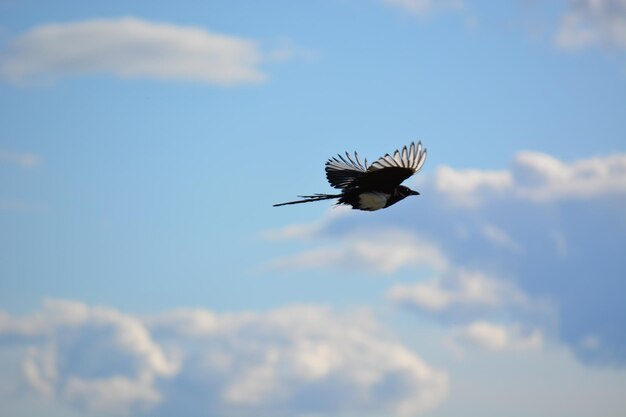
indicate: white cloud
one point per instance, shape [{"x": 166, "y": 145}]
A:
[
  {"x": 535, "y": 176},
  {"x": 287, "y": 50},
  {"x": 113, "y": 395},
  {"x": 131, "y": 47},
  {"x": 500, "y": 238},
  {"x": 457, "y": 289},
  {"x": 21, "y": 159},
  {"x": 292, "y": 361},
  {"x": 590, "y": 342},
  {"x": 307, "y": 230},
  {"x": 377, "y": 251},
  {"x": 497, "y": 338},
  {"x": 423, "y": 7},
  {"x": 567, "y": 220},
  {"x": 593, "y": 23},
  {"x": 96, "y": 358},
  {"x": 465, "y": 187},
  {"x": 541, "y": 177}
]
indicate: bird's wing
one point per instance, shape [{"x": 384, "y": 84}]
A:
[
  {"x": 345, "y": 172},
  {"x": 385, "y": 174},
  {"x": 389, "y": 171}
]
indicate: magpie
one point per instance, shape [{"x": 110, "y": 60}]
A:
[{"x": 370, "y": 187}]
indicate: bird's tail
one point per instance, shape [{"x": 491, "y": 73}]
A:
[{"x": 309, "y": 198}]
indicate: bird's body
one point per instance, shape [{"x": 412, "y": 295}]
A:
[{"x": 370, "y": 187}]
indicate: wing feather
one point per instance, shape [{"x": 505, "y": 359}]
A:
[
  {"x": 342, "y": 173},
  {"x": 392, "y": 170},
  {"x": 385, "y": 173}
]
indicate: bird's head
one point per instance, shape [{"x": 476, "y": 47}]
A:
[{"x": 406, "y": 191}]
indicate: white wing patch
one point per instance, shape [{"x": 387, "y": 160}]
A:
[
  {"x": 341, "y": 172},
  {"x": 348, "y": 163},
  {"x": 412, "y": 158},
  {"x": 373, "y": 200}
]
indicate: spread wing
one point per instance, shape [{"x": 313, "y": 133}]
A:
[
  {"x": 384, "y": 174},
  {"x": 345, "y": 172}
]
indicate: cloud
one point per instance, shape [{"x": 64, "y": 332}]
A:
[
  {"x": 96, "y": 358},
  {"x": 500, "y": 238},
  {"x": 535, "y": 176},
  {"x": 424, "y": 7},
  {"x": 292, "y": 361},
  {"x": 465, "y": 187},
  {"x": 22, "y": 160},
  {"x": 458, "y": 289},
  {"x": 590, "y": 23},
  {"x": 541, "y": 177},
  {"x": 309, "y": 230},
  {"x": 545, "y": 235},
  {"x": 131, "y": 48},
  {"x": 374, "y": 251},
  {"x": 496, "y": 338},
  {"x": 567, "y": 220}
]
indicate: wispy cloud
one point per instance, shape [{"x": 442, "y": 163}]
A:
[
  {"x": 495, "y": 337},
  {"x": 381, "y": 252},
  {"x": 307, "y": 230},
  {"x": 131, "y": 48},
  {"x": 20, "y": 159},
  {"x": 589, "y": 23},
  {"x": 460, "y": 289},
  {"x": 500, "y": 238},
  {"x": 291, "y": 361},
  {"x": 423, "y": 7}
]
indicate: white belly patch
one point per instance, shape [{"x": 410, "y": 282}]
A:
[{"x": 372, "y": 201}]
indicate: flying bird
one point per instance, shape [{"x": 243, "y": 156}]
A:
[{"x": 370, "y": 187}]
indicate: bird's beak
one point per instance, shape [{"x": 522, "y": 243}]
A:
[{"x": 414, "y": 192}]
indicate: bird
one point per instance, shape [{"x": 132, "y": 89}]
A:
[{"x": 370, "y": 187}]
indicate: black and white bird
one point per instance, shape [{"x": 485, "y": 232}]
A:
[{"x": 370, "y": 187}]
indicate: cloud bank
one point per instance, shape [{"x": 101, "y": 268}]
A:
[
  {"x": 131, "y": 48},
  {"x": 292, "y": 361},
  {"x": 539, "y": 244}
]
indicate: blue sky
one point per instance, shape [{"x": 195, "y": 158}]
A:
[{"x": 144, "y": 270}]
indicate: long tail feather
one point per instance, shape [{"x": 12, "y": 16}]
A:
[{"x": 310, "y": 198}]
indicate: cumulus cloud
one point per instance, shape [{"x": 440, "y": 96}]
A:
[
  {"x": 593, "y": 23},
  {"x": 130, "y": 48},
  {"x": 496, "y": 338},
  {"x": 292, "y": 361},
  {"x": 95, "y": 358}
]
